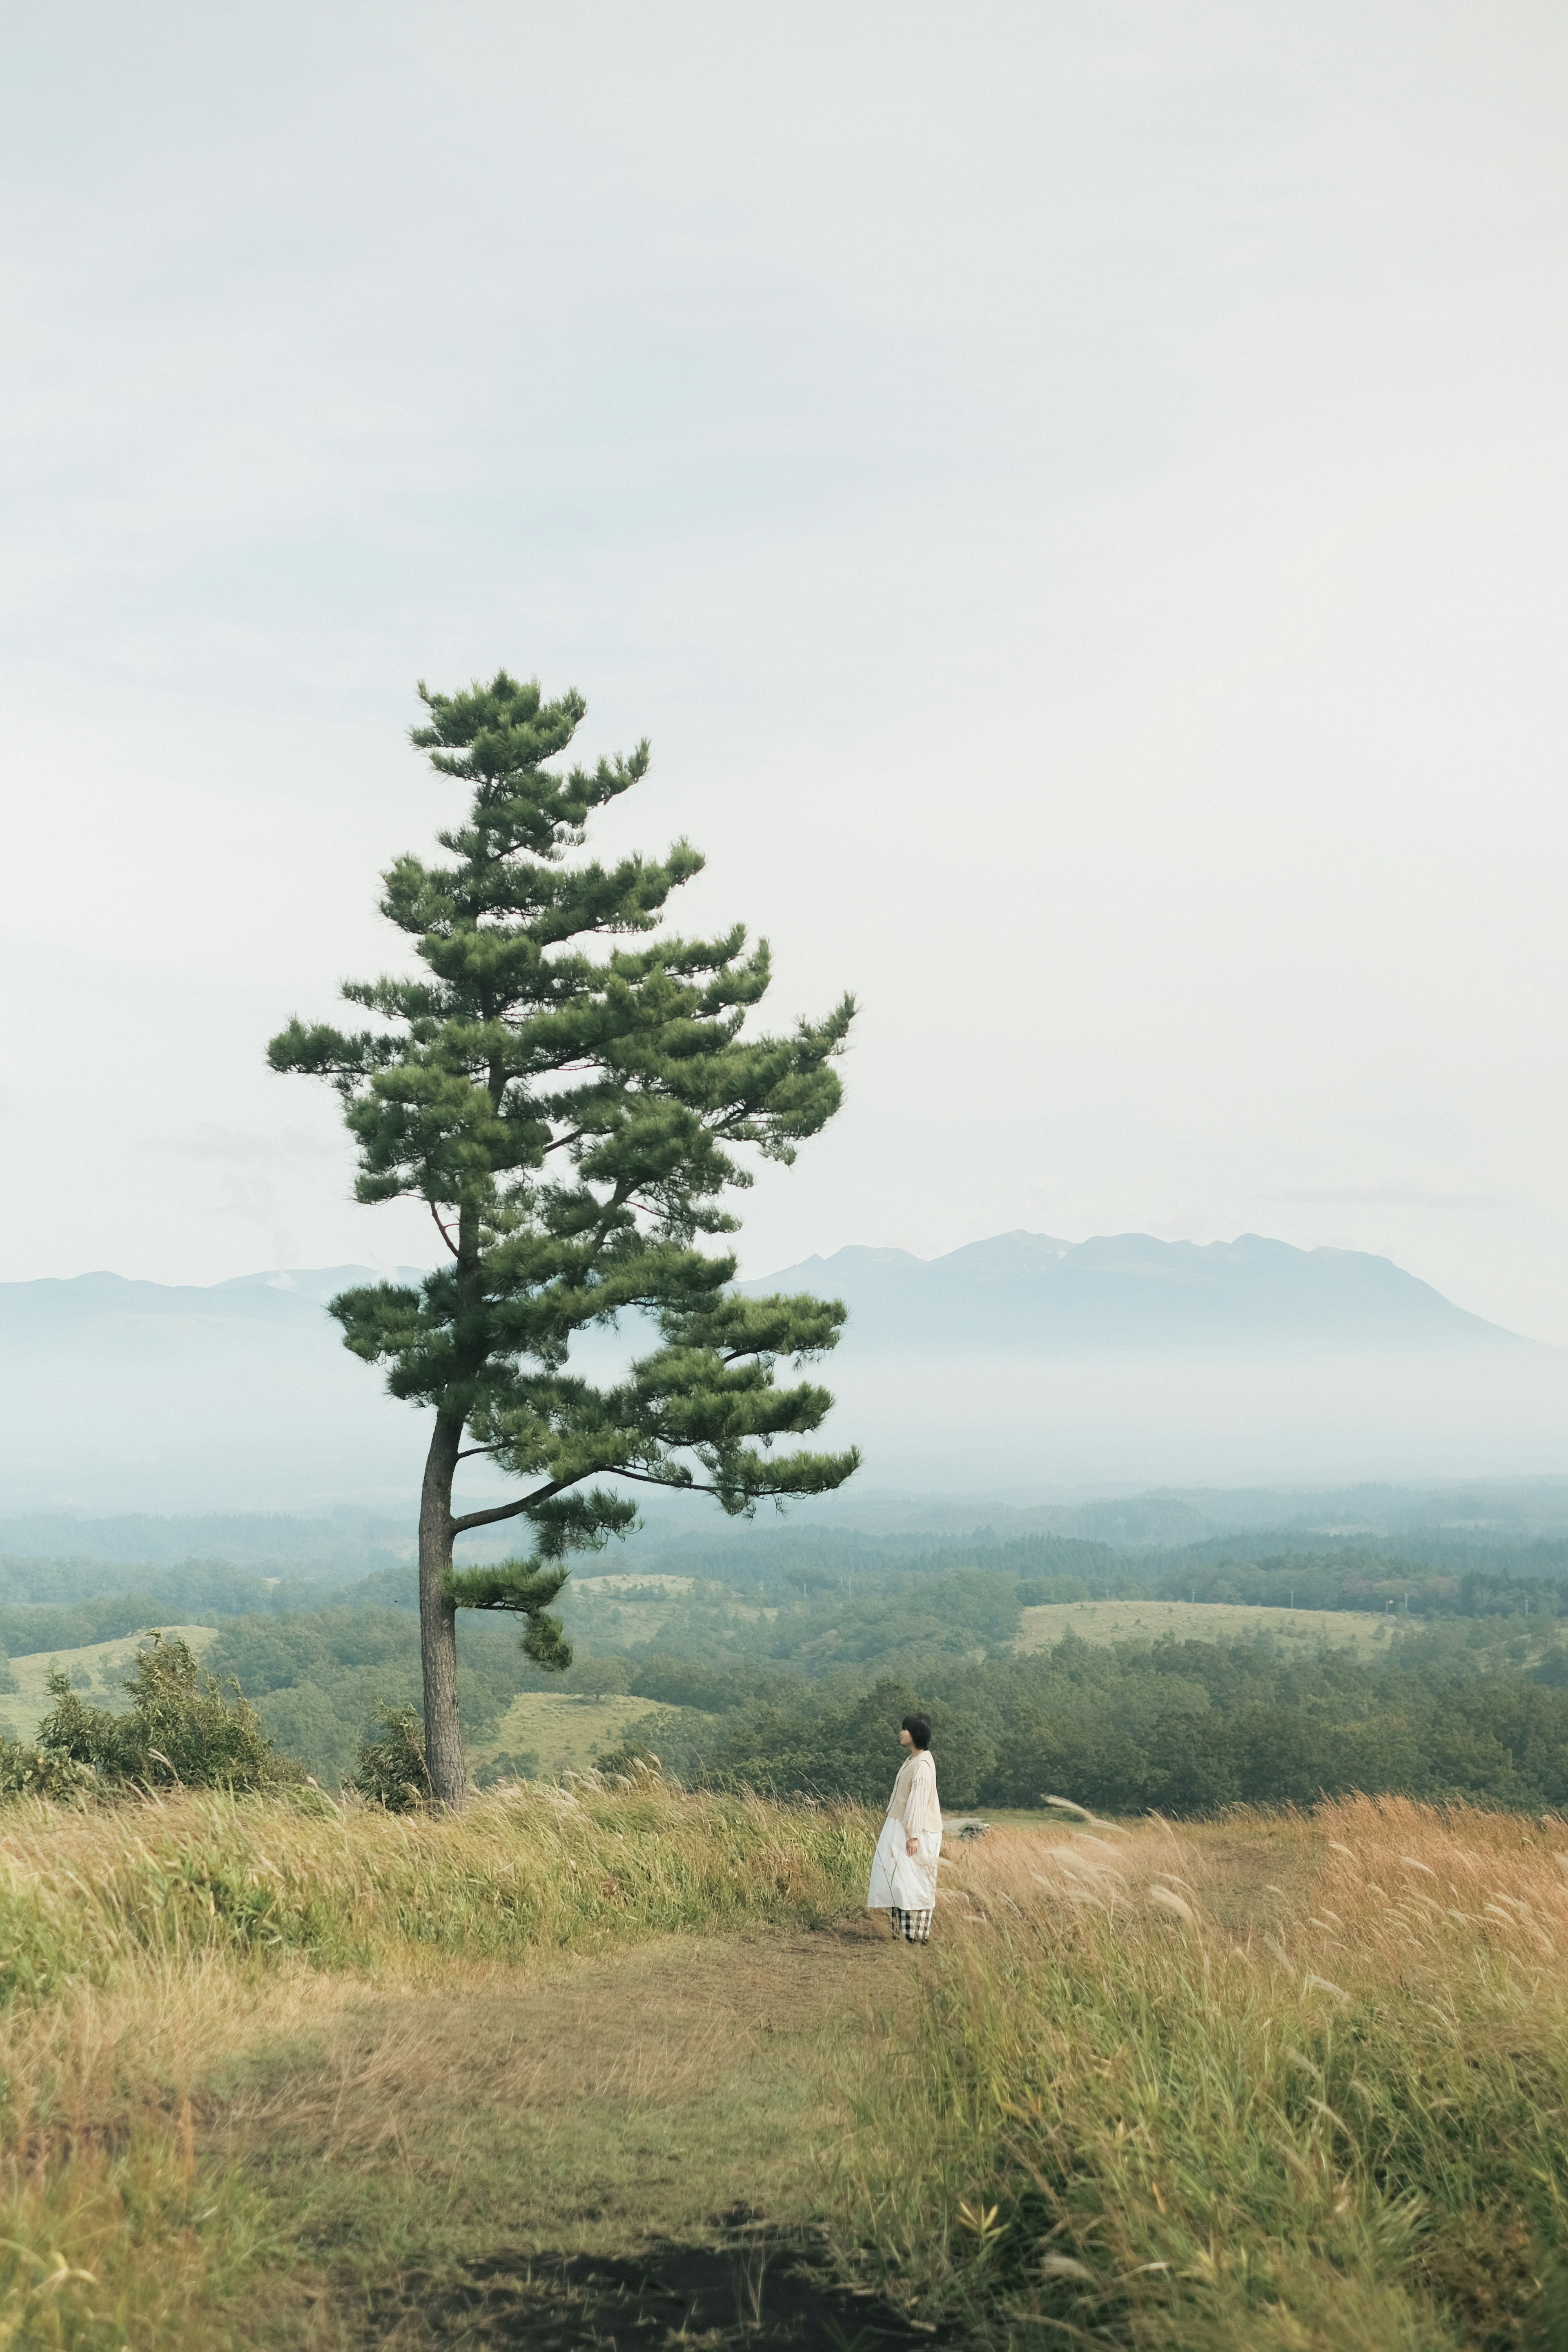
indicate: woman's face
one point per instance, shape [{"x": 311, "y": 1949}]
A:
[{"x": 906, "y": 1738}]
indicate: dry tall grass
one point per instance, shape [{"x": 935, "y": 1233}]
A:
[
  {"x": 1254, "y": 2087},
  {"x": 140, "y": 1946},
  {"x": 527, "y": 1865}
]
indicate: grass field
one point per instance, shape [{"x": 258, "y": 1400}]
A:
[
  {"x": 628, "y": 2067},
  {"x": 631, "y": 1586},
  {"x": 281, "y": 2072},
  {"x": 1203, "y": 1621},
  {"x": 1277, "y": 2084},
  {"x": 619, "y": 1612},
  {"x": 623, "y": 1612},
  {"x": 106, "y": 1664},
  {"x": 564, "y": 1731}
]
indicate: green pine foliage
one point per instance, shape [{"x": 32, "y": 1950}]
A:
[{"x": 574, "y": 1121}]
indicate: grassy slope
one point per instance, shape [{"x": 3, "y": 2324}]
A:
[
  {"x": 565, "y": 1731},
  {"x": 205, "y": 2000},
  {"x": 619, "y": 1613},
  {"x": 1202, "y": 1621},
  {"x": 543, "y": 2123}
]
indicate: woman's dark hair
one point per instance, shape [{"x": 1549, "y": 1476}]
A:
[{"x": 919, "y": 1728}]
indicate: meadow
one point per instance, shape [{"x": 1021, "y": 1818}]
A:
[
  {"x": 272, "y": 2066},
  {"x": 1150, "y": 1620},
  {"x": 561, "y": 1731},
  {"x": 1271, "y": 2084},
  {"x": 616, "y": 2064}
]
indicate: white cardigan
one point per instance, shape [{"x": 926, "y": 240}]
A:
[{"x": 914, "y": 1798}]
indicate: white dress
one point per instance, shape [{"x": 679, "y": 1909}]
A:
[{"x": 902, "y": 1881}]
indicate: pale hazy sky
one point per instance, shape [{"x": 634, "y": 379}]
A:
[{"x": 1076, "y": 495}]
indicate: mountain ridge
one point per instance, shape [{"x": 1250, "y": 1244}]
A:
[
  {"x": 1008, "y": 1291},
  {"x": 1019, "y": 1360},
  {"x": 1038, "y": 1293}
]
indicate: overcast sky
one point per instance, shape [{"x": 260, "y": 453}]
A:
[{"x": 1075, "y": 494}]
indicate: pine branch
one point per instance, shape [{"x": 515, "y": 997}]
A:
[
  {"x": 674, "y": 1486},
  {"x": 511, "y": 1510}
]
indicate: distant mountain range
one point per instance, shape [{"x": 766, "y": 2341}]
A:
[
  {"x": 123, "y": 1395},
  {"x": 1029, "y": 1293},
  {"x": 1017, "y": 1292},
  {"x": 1125, "y": 1359},
  {"x": 111, "y": 1304}
]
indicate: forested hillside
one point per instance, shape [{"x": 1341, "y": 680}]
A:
[
  {"x": 794, "y": 1674},
  {"x": 1185, "y": 1727}
]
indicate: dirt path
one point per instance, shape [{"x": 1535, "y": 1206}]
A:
[{"x": 618, "y": 2152}]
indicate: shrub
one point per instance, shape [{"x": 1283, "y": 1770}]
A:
[
  {"x": 180, "y": 1730},
  {"x": 499, "y": 1769},
  {"x": 27, "y": 1772},
  {"x": 391, "y": 1770}
]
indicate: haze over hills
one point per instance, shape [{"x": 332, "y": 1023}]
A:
[
  {"x": 1023, "y": 1362},
  {"x": 1527, "y": 1519}
]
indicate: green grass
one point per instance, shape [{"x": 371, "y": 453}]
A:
[
  {"x": 619, "y": 1613},
  {"x": 416, "y": 2136},
  {"x": 285, "y": 2072},
  {"x": 564, "y": 1730},
  {"x": 1202, "y": 1621},
  {"x": 529, "y": 1867}
]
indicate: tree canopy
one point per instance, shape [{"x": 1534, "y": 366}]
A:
[{"x": 574, "y": 1121}]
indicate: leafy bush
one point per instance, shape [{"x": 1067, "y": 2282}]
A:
[
  {"x": 180, "y": 1730},
  {"x": 500, "y": 1768},
  {"x": 27, "y": 1772},
  {"x": 391, "y": 1770}
]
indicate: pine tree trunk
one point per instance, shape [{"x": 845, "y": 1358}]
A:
[{"x": 438, "y": 1620}]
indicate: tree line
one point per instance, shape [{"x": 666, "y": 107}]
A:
[{"x": 1182, "y": 1727}]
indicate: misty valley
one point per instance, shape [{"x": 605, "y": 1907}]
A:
[{"x": 1424, "y": 1650}]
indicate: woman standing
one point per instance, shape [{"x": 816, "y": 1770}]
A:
[{"x": 903, "y": 1870}]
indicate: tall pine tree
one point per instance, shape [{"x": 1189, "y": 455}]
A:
[{"x": 572, "y": 1121}]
